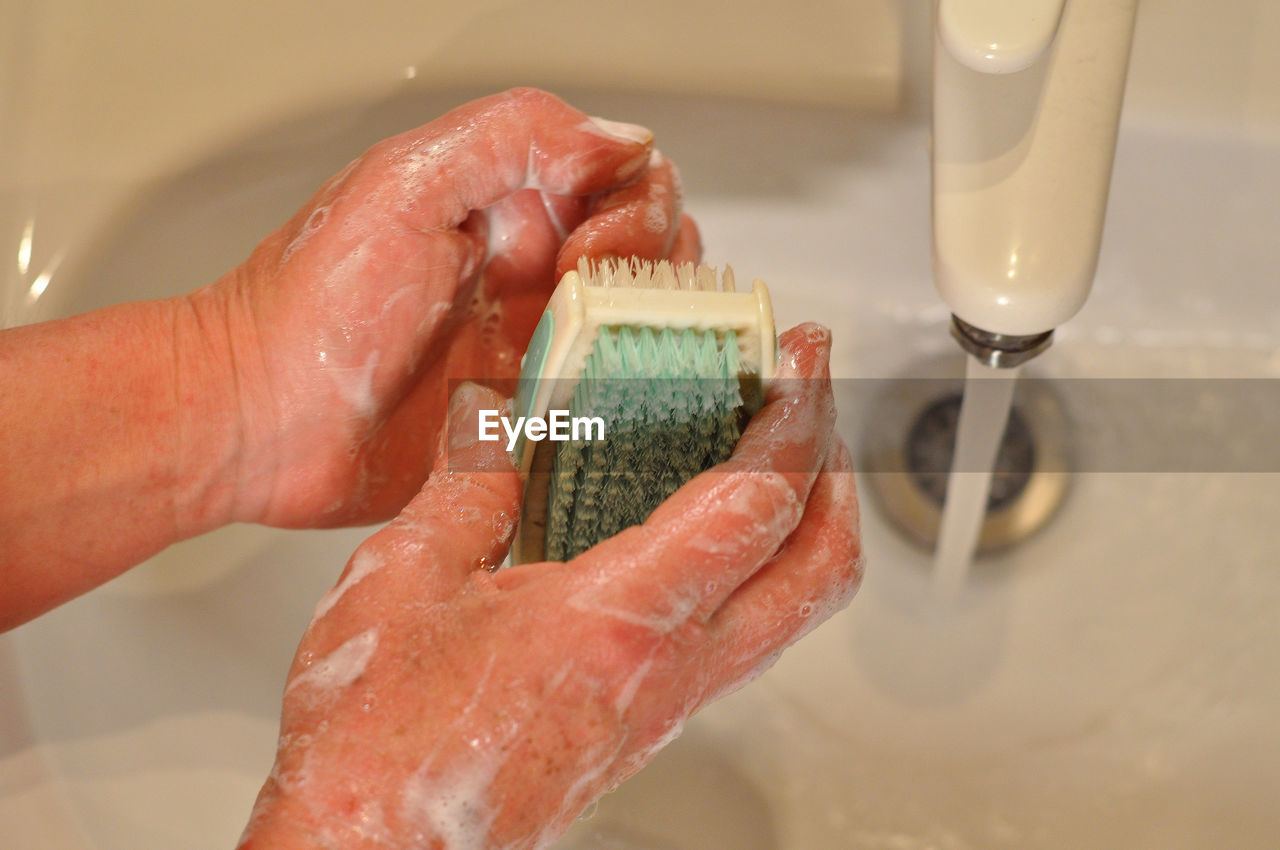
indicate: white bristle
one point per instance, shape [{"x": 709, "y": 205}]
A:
[
  {"x": 652, "y": 277},
  {"x": 635, "y": 273},
  {"x": 684, "y": 274}
]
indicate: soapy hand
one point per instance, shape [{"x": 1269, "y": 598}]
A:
[
  {"x": 428, "y": 258},
  {"x": 433, "y": 704}
]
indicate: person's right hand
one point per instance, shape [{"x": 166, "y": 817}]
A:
[
  {"x": 433, "y": 704},
  {"x": 427, "y": 260},
  {"x": 308, "y": 385}
]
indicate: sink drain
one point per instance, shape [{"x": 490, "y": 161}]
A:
[
  {"x": 931, "y": 445},
  {"x": 910, "y": 439}
]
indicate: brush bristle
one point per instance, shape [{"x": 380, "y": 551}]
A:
[
  {"x": 670, "y": 401},
  {"x": 661, "y": 274}
]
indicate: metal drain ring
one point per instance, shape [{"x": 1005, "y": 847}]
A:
[{"x": 912, "y": 508}]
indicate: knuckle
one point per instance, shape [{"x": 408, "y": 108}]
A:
[{"x": 529, "y": 96}]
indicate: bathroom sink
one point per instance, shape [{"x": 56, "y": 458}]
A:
[{"x": 1112, "y": 681}]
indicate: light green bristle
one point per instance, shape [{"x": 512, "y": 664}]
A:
[{"x": 670, "y": 403}]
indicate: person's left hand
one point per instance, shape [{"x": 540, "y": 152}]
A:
[
  {"x": 435, "y": 705},
  {"x": 428, "y": 259}
]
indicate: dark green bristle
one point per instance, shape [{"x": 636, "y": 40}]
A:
[{"x": 670, "y": 401}]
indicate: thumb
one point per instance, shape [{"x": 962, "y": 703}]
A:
[{"x": 466, "y": 513}]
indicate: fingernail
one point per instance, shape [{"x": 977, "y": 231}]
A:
[
  {"x": 464, "y": 415},
  {"x": 818, "y": 334},
  {"x": 622, "y": 131}
]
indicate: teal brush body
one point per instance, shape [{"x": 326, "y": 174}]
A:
[{"x": 669, "y": 361}]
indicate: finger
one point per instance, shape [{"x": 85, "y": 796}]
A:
[
  {"x": 814, "y": 575},
  {"x": 479, "y": 153},
  {"x": 719, "y": 528},
  {"x": 640, "y": 219},
  {"x": 464, "y": 517},
  {"x": 687, "y": 246},
  {"x": 520, "y": 575},
  {"x": 525, "y": 231},
  {"x": 461, "y": 521}
]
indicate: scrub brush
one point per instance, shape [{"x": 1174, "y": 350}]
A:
[{"x": 639, "y": 376}]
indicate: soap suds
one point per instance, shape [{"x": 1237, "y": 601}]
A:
[
  {"x": 655, "y": 218},
  {"x": 355, "y": 385},
  {"x": 680, "y": 608},
  {"x": 349, "y": 271},
  {"x": 632, "y": 684},
  {"x": 450, "y": 803},
  {"x": 363, "y": 563},
  {"x": 434, "y": 316},
  {"x": 451, "y": 806},
  {"x": 636, "y": 761},
  {"x": 371, "y": 824},
  {"x": 655, "y": 215},
  {"x": 504, "y": 228},
  {"x": 738, "y": 495},
  {"x": 318, "y": 218},
  {"x": 532, "y": 174},
  {"x": 398, "y": 295},
  {"x": 559, "y": 677},
  {"x": 427, "y": 161},
  {"x": 673, "y": 731},
  {"x": 562, "y": 232},
  {"x": 573, "y": 802},
  {"x": 341, "y": 667}
]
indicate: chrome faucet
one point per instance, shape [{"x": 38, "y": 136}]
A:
[{"x": 1026, "y": 107}]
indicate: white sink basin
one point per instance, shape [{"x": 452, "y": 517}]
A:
[{"x": 1115, "y": 681}]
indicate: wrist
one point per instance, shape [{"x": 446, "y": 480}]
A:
[
  {"x": 118, "y": 436},
  {"x": 216, "y": 368}
]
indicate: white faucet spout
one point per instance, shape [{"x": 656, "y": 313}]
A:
[
  {"x": 1026, "y": 108},
  {"x": 998, "y": 36}
]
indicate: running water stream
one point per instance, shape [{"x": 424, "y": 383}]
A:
[{"x": 984, "y": 411}]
